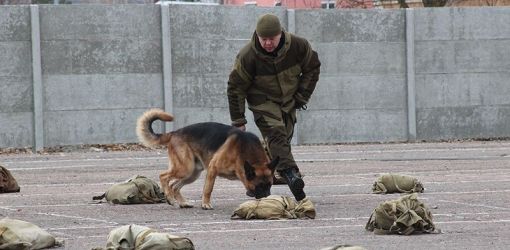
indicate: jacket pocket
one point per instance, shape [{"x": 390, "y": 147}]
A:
[
  {"x": 260, "y": 113},
  {"x": 256, "y": 99}
]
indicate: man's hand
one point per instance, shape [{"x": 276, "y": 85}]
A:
[
  {"x": 300, "y": 106},
  {"x": 242, "y": 127}
]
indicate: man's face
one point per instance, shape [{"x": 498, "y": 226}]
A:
[{"x": 270, "y": 43}]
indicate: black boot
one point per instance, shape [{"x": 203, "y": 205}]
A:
[
  {"x": 279, "y": 180},
  {"x": 296, "y": 184}
]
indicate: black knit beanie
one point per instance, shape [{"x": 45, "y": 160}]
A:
[{"x": 268, "y": 25}]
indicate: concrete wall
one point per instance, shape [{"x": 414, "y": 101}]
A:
[
  {"x": 16, "y": 104},
  {"x": 361, "y": 93},
  {"x": 462, "y": 73},
  {"x": 204, "y": 48},
  {"x": 101, "y": 66}
]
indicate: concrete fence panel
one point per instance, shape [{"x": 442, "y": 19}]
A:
[
  {"x": 361, "y": 95},
  {"x": 82, "y": 74},
  {"x": 16, "y": 92},
  {"x": 205, "y": 42},
  {"x": 101, "y": 67},
  {"x": 463, "y": 73}
]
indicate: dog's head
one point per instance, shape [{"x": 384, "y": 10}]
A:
[{"x": 259, "y": 178}]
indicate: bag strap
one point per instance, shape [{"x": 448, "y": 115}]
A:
[
  {"x": 99, "y": 197},
  {"x": 398, "y": 188},
  {"x": 370, "y": 224},
  {"x": 147, "y": 198},
  {"x": 141, "y": 239},
  {"x": 408, "y": 231}
]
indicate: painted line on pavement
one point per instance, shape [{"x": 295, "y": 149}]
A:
[
  {"x": 380, "y": 151},
  {"x": 307, "y": 152},
  {"x": 308, "y": 227},
  {"x": 442, "y": 172},
  {"x": 172, "y": 226},
  {"x": 80, "y": 166},
  {"x": 197, "y": 202},
  {"x": 474, "y": 205},
  {"x": 234, "y": 186},
  {"x": 64, "y": 216},
  {"x": 89, "y": 159}
]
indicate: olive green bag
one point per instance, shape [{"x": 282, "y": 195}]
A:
[
  {"x": 136, "y": 190},
  {"x": 405, "y": 216},
  {"x": 275, "y": 207},
  {"x": 135, "y": 237},
  {"x": 7, "y": 182},
  {"x": 22, "y": 235},
  {"x": 394, "y": 183}
]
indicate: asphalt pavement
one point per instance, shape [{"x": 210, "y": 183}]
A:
[{"x": 467, "y": 188}]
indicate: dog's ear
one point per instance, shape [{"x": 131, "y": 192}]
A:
[
  {"x": 273, "y": 163},
  {"x": 249, "y": 171}
]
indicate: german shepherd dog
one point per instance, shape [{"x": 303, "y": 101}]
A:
[{"x": 223, "y": 150}]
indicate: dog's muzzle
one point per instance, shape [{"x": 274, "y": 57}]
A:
[{"x": 258, "y": 195}]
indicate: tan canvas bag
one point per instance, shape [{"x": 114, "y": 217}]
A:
[
  {"x": 275, "y": 207},
  {"x": 21, "y": 235},
  {"x": 136, "y": 190},
  {"x": 395, "y": 183},
  {"x": 7, "y": 182},
  {"x": 135, "y": 237},
  {"x": 406, "y": 215}
]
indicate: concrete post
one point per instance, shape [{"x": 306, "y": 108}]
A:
[
  {"x": 167, "y": 64},
  {"x": 411, "y": 92},
  {"x": 291, "y": 25},
  {"x": 37, "y": 79}
]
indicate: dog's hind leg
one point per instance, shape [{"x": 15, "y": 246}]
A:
[
  {"x": 180, "y": 167},
  {"x": 165, "y": 179},
  {"x": 178, "y": 184}
]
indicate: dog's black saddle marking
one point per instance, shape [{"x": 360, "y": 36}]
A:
[
  {"x": 212, "y": 134},
  {"x": 209, "y": 134}
]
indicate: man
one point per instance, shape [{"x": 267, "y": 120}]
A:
[{"x": 276, "y": 74}]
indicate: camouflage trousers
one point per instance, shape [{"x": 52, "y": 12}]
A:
[{"x": 277, "y": 134}]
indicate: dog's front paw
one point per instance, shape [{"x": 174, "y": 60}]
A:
[
  {"x": 207, "y": 206},
  {"x": 170, "y": 201}
]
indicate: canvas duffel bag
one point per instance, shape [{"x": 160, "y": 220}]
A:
[
  {"x": 275, "y": 207},
  {"x": 406, "y": 215},
  {"x": 135, "y": 237},
  {"x": 7, "y": 182},
  {"x": 395, "y": 183},
  {"x": 136, "y": 190},
  {"x": 22, "y": 235}
]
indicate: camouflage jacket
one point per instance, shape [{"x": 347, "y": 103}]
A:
[{"x": 272, "y": 84}]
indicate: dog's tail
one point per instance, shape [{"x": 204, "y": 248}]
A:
[{"x": 144, "y": 128}]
